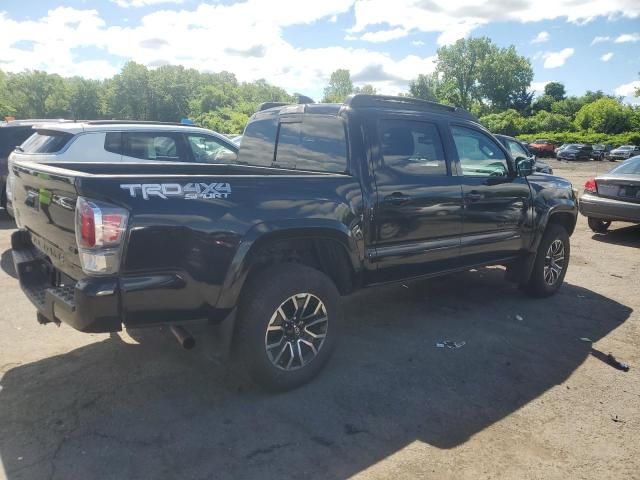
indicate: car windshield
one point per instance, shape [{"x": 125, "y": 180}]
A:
[
  {"x": 626, "y": 147},
  {"x": 630, "y": 167},
  {"x": 598, "y": 147}
]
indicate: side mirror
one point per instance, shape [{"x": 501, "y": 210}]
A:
[{"x": 524, "y": 166}]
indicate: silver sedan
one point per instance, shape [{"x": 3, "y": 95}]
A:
[{"x": 614, "y": 196}]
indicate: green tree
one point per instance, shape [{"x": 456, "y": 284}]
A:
[
  {"x": 504, "y": 79},
  {"x": 6, "y": 105},
  {"x": 460, "y": 65},
  {"x": 340, "y": 86},
  {"x": 555, "y": 90},
  {"x": 37, "y": 94},
  {"x": 568, "y": 107},
  {"x": 543, "y": 103},
  {"x": 84, "y": 98},
  {"x": 605, "y": 115},
  {"x": 425, "y": 87},
  {"x": 130, "y": 96},
  {"x": 366, "y": 89},
  {"x": 544, "y": 121},
  {"x": 509, "y": 122}
]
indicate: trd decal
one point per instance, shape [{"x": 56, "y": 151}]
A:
[{"x": 190, "y": 191}]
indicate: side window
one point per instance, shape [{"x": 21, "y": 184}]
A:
[
  {"x": 113, "y": 142},
  {"x": 479, "y": 155},
  {"x": 208, "y": 149},
  {"x": 516, "y": 149},
  {"x": 159, "y": 146},
  {"x": 318, "y": 143},
  {"x": 412, "y": 147}
]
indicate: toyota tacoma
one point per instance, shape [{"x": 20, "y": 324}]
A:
[{"x": 322, "y": 200}]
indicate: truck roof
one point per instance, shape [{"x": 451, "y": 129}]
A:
[{"x": 360, "y": 100}]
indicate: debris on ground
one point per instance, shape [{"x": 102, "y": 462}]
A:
[
  {"x": 450, "y": 344},
  {"x": 586, "y": 339},
  {"x": 616, "y": 275},
  {"x": 519, "y": 318},
  {"x": 615, "y": 363},
  {"x": 405, "y": 286},
  {"x": 617, "y": 420}
]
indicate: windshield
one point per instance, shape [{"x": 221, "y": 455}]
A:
[
  {"x": 626, "y": 147},
  {"x": 630, "y": 167},
  {"x": 598, "y": 147}
]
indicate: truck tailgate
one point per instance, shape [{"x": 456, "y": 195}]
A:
[{"x": 44, "y": 204}]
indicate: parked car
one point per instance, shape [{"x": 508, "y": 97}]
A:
[
  {"x": 561, "y": 147},
  {"x": 614, "y": 196},
  {"x": 600, "y": 152},
  {"x": 12, "y": 134},
  {"x": 123, "y": 141},
  {"x": 519, "y": 150},
  {"x": 576, "y": 152},
  {"x": 624, "y": 152},
  {"x": 322, "y": 200},
  {"x": 543, "y": 148}
]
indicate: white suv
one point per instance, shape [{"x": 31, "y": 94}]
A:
[{"x": 122, "y": 141}]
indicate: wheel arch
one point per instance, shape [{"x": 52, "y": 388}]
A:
[{"x": 325, "y": 245}]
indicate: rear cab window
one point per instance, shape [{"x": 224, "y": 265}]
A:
[
  {"x": 312, "y": 142},
  {"x": 46, "y": 141}
]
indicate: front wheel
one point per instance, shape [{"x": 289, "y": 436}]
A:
[
  {"x": 552, "y": 260},
  {"x": 289, "y": 318},
  {"x": 598, "y": 225}
]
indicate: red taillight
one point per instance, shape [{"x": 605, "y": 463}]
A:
[
  {"x": 100, "y": 229},
  {"x": 87, "y": 225},
  {"x": 591, "y": 186},
  {"x": 112, "y": 225}
]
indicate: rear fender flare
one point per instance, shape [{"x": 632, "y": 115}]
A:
[{"x": 263, "y": 233}]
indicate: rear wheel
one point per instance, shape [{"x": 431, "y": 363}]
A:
[
  {"x": 552, "y": 260},
  {"x": 598, "y": 225},
  {"x": 289, "y": 319}
]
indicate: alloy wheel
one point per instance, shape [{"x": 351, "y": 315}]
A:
[
  {"x": 554, "y": 262},
  {"x": 296, "y": 331}
]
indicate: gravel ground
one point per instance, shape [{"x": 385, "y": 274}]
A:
[{"x": 523, "y": 398}]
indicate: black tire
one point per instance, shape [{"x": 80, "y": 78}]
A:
[
  {"x": 267, "y": 292},
  {"x": 598, "y": 225},
  {"x": 538, "y": 284}
]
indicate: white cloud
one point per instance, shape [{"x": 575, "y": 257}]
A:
[
  {"x": 606, "y": 57},
  {"x": 628, "y": 89},
  {"x": 541, "y": 37},
  {"x": 557, "y": 59},
  {"x": 384, "y": 35},
  {"x": 600, "y": 40},
  {"x": 142, "y": 3},
  {"x": 628, "y": 37},
  {"x": 417, "y": 43},
  {"x": 455, "y": 19},
  {"x": 247, "y": 37},
  {"x": 248, "y": 42}
]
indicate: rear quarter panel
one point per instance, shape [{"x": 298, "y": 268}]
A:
[{"x": 199, "y": 244}]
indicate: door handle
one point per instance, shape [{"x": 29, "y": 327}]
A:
[
  {"x": 474, "y": 196},
  {"x": 397, "y": 198}
]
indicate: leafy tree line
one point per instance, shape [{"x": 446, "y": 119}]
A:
[
  {"x": 169, "y": 93},
  {"x": 493, "y": 83}
]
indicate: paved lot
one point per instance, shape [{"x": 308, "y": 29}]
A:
[{"x": 522, "y": 399}]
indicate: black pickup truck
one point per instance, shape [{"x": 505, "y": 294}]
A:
[{"x": 323, "y": 199}]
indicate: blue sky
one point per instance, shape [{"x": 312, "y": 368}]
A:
[{"x": 296, "y": 44}]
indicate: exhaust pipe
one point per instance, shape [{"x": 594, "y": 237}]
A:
[{"x": 183, "y": 336}]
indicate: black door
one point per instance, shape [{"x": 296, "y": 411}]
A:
[
  {"x": 496, "y": 201},
  {"x": 418, "y": 213}
]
